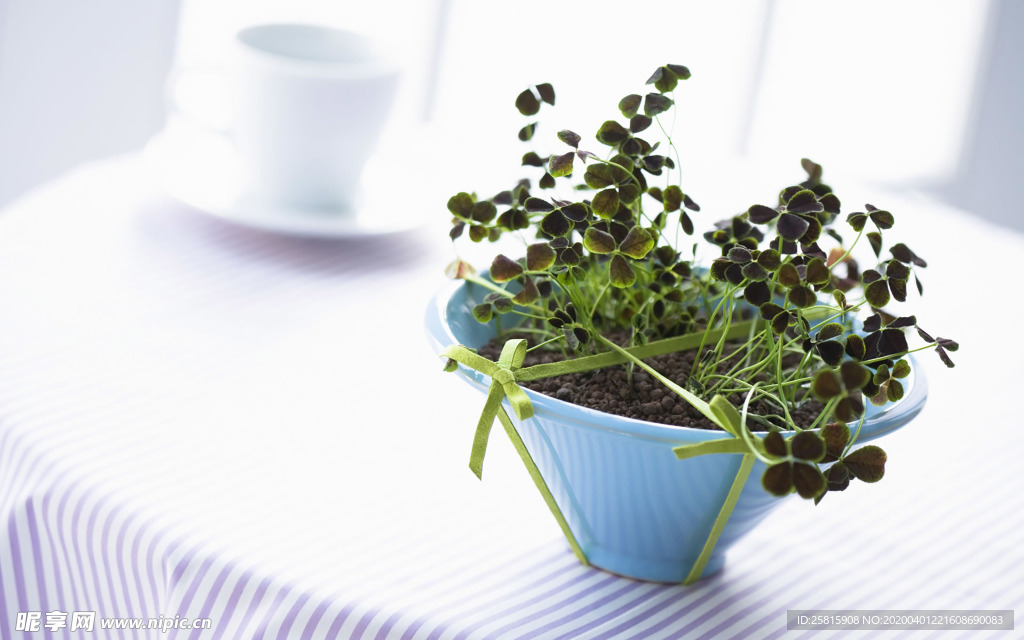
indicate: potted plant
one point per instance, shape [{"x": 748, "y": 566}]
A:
[{"x": 663, "y": 404}]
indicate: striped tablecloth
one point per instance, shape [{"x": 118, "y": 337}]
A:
[{"x": 202, "y": 421}]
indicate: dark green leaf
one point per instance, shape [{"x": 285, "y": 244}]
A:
[
  {"x": 734, "y": 274},
  {"x": 655, "y": 103},
  {"x": 838, "y": 477},
  {"x": 788, "y": 275},
  {"x": 769, "y": 310},
  {"x": 740, "y": 255},
  {"x": 854, "y": 375},
  {"x": 826, "y": 385},
  {"x": 612, "y": 133},
  {"x": 638, "y": 123},
  {"x": 804, "y": 201},
  {"x": 781, "y": 322},
  {"x": 598, "y": 176},
  {"x": 477, "y": 233},
  {"x": 757, "y": 293},
  {"x": 686, "y": 223},
  {"x": 484, "y": 211},
  {"x": 817, "y": 272},
  {"x": 831, "y": 203},
  {"x": 831, "y": 352},
  {"x": 528, "y": 293},
  {"x": 688, "y": 201},
  {"x": 672, "y": 198},
  {"x": 597, "y": 241},
  {"x": 835, "y": 435},
  {"x": 637, "y": 244},
  {"x": 873, "y": 323},
  {"x": 877, "y": 294},
  {"x": 621, "y": 274},
  {"x": 663, "y": 80},
  {"x": 629, "y": 193},
  {"x": 679, "y": 71},
  {"x": 898, "y": 289},
  {"x": 778, "y": 479},
  {"x": 946, "y": 360},
  {"x": 761, "y": 214},
  {"x": 547, "y": 93},
  {"x": 812, "y": 168},
  {"x": 898, "y": 270},
  {"x": 875, "y": 240},
  {"x": 606, "y": 203},
  {"x": 904, "y": 321},
  {"x": 857, "y": 220},
  {"x": 630, "y": 105},
  {"x": 901, "y": 369},
  {"x": 631, "y": 147},
  {"x": 895, "y": 390},
  {"x": 791, "y": 227},
  {"x": 539, "y": 256},
  {"x": 570, "y": 138},
  {"x": 850, "y": 408},
  {"x": 576, "y": 211},
  {"x": 808, "y": 480},
  {"x": 807, "y": 445},
  {"x": 527, "y": 103},
  {"x": 526, "y": 133},
  {"x": 754, "y": 272},
  {"x": 555, "y": 224},
  {"x": 503, "y": 198},
  {"x": 769, "y": 259},
  {"x": 502, "y": 304},
  {"x": 457, "y": 230},
  {"x": 559, "y": 166},
  {"x": 536, "y": 205},
  {"x": 829, "y": 331},
  {"x": 775, "y": 445},
  {"x": 882, "y": 219},
  {"x": 483, "y": 312},
  {"x": 718, "y": 268},
  {"x": 504, "y": 269},
  {"x": 547, "y": 181},
  {"x": 840, "y": 299},
  {"x": 903, "y": 253},
  {"x": 461, "y": 205},
  {"x": 867, "y": 463},
  {"x": 531, "y": 160},
  {"x": 802, "y": 297}
]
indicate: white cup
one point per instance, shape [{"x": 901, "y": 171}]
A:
[{"x": 307, "y": 107}]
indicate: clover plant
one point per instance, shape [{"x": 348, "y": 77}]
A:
[{"x": 783, "y": 314}]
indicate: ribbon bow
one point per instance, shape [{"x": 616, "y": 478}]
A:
[{"x": 504, "y": 384}]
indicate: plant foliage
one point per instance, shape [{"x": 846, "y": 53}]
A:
[{"x": 604, "y": 231}]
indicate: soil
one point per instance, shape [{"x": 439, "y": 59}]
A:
[{"x": 608, "y": 390}]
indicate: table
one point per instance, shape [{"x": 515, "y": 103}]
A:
[{"x": 192, "y": 425}]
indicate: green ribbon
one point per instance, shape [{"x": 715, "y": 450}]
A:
[
  {"x": 508, "y": 372},
  {"x": 505, "y": 384}
]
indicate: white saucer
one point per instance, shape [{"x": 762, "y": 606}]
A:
[{"x": 201, "y": 169}]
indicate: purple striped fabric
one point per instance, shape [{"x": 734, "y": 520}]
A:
[{"x": 202, "y": 421}]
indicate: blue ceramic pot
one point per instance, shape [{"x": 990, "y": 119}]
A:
[{"x": 635, "y": 509}]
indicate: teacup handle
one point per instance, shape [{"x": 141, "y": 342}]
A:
[{"x": 192, "y": 114}]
